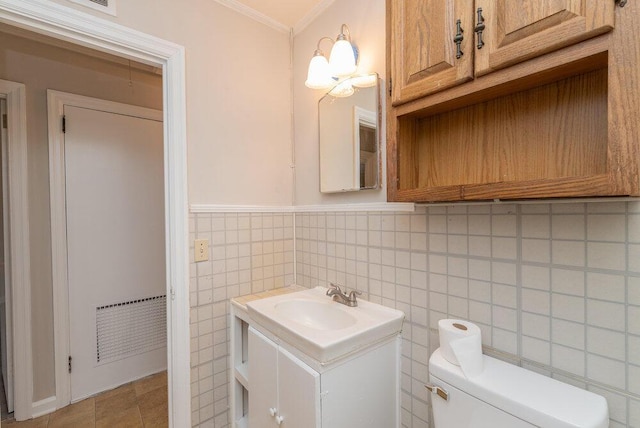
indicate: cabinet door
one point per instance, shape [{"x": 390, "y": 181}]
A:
[
  {"x": 422, "y": 49},
  {"x": 519, "y": 30},
  {"x": 263, "y": 380},
  {"x": 298, "y": 393}
]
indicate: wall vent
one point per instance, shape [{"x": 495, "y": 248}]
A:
[
  {"x": 130, "y": 328},
  {"x": 106, "y": 6}
]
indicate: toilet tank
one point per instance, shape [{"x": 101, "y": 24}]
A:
[{"x": 507, "y": 396}]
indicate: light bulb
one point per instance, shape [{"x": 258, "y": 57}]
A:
[
  {"x": 342, "y": 61},
  {"x": 318, "y": 75}
]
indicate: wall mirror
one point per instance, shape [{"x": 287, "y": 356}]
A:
[{"x": 349, "y": 116}]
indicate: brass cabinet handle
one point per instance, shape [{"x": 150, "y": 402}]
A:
[
  {"x": 480, "y": 28},
  {"x": 458, "y": 39}
]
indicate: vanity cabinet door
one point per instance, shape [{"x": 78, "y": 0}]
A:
[
  {"x": 263, "y": 378},
  {"x": 519, "y": 30},
  {"x": 423, "y": 53},
  {"x": 298, "y": 392},
  {"x": 284, "y": 391}
]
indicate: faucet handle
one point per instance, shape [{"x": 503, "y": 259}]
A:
[
  {"x": 333, "y": 288},
  {"x": 353, "y": 294}
]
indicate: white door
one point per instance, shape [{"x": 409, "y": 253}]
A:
[{"x": 115, "y": 248}]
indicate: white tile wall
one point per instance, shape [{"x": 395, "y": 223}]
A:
[
  {"x": 248, "y": 253},
  {"x": 554, "y": 287}
]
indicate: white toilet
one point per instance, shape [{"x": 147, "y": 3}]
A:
[{"x": 507, "y": 396}]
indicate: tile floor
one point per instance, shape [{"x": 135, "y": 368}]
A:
[
  {"x": 4, "y": 411},
  {"x": 142, "y": 403}
]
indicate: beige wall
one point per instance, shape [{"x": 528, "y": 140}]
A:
[
  {"x": 238, "y": 124},
  {"x": 41, "y": 67},
  {"x": 366, "y": 20},
  {"x": 238, "y": 97}
]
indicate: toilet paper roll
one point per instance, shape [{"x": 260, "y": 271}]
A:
[{"x": 461, "y": 344}]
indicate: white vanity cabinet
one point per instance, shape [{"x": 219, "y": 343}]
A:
[
  {"x": 284, "y": 390},
  {"x": 276, "y": 383}
]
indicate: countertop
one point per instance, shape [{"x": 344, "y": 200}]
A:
[{"x": 242, "y": 301}]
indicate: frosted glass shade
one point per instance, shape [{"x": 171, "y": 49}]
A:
[
  {"x": 342, "y": 61},
  {"x": 343, "y": 89},
  {"x": 365, "y": 81},
  {"x": 318, "y": 75}
]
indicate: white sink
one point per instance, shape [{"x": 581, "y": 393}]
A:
[
  {"x": 321, "y": 328},
  {"x": 316, "y": 315}
]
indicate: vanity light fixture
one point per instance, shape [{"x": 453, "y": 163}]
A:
[
  {"x": 318, "y": 75},
  {"x": 323, "y": 74},
  {"x": 343, "y": 89}
]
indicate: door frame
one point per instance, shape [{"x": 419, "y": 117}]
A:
[
  {"x": 19, "y": 250},
  {"x": 61, "y": 22},
  {"x": 6, "y": 247},
  {"x": 56, "y": 101}
]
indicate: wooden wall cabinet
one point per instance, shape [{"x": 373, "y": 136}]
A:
[
  {"x": 541, "y": 105},
  {"x": 520, "y": 30},
  {"x": 424, "y": 54}
]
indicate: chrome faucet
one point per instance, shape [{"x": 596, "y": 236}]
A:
[{"x": 338, "y": 296}]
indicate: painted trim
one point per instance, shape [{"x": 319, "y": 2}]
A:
[
  {"x": 531, "y": 201},
  {"x": 56, "y": 101},
  {"x": 62, "y": 22},
  {"x": 373, "y": 206},
  {"x": 44, "y": 406},
  {"x": 254, "y": 14},
  {"x": 19, "y": 247},
  {"x": 362, "y": 207},
  {"x": 383, "y": 206},
  {"x": 210, "y": 208},
  {"x": 311, "y": 16}
]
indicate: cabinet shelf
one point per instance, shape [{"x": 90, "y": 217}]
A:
[
  {"x": 549, "y": 141},
  {"x": 241, "y": 373},
  {"x": 242, "y": 422}
]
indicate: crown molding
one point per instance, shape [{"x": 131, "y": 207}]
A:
[
  {"x": 312, "y": 15},
  {"x": 255, "y": 15},
  {"x": 272, "y": 23}
]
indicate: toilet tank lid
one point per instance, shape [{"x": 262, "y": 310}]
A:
[{"x": 530, "y": 396}]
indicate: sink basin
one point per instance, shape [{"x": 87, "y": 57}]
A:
[
  {"x": 316, "y": 315},
  {"x": 321, "y": 328}
]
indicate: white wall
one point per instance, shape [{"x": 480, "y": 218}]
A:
[
  {"x": 366, "y": 20},
  {"x": 238, "y": 97}
]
